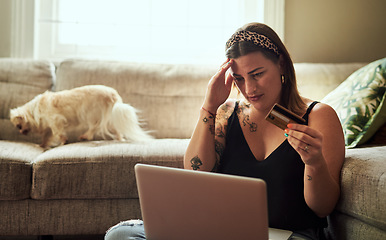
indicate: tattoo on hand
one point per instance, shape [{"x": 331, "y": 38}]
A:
[{"x": 196, "y": 163}]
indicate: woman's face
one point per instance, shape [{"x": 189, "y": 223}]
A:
[{"x": 258, "y": 79}]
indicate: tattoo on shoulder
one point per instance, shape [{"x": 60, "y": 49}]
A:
[
  {"x": 196, "y": 163},
  {"x": 245, "y": 118},
  {"x": 225, "y": 109}
]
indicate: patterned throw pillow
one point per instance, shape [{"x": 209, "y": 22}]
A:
[{"x": 360, "y": 102}]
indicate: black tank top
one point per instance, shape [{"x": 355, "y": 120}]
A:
[{"x": 283, "y": 172}]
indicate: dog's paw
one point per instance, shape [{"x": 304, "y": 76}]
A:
[
  {"x": 84, "y": 137},
  {"x": 45, "y": 146},
  {"x": 63, "y": 140}
]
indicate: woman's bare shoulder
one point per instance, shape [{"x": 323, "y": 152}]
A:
[
  {"x": 320, "y": 109},
  {"x": 323, "y": 111}
]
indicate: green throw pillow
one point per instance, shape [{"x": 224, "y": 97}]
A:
[{"x": 360, "y": 102}]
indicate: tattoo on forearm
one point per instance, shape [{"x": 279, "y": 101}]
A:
[
  {"x": 211, "y": 126},
  {"x": 206, "y": 119},
  {"x": 196, "y": 163},
  {"x": 309, "y": 178},
  {"x": 212, "y": 129}
]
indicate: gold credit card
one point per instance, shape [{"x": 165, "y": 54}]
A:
[{"x": 281, "y": 116}]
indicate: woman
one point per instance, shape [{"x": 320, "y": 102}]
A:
[{"x": 301, "y": 165}]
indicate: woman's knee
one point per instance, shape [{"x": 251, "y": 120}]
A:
[{"x": 127, "y": 230}]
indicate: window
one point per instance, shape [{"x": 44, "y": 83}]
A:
[{"x": 167, "y": 31}]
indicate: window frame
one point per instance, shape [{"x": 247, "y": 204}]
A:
[{"x": 25, "y": 30}]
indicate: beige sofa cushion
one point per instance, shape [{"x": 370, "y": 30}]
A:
[
  {"x": 363, "y": 184},
  {"x": 64, "y": 217},
  {"x": 316, "y": 80},
  {"x": 16, "y": 168},
  {"x": 158, "y": 90},
  {"x": 168, "y": 96},
  {"x": 20, "y": 81},
  {"x": 99, "y": 169},
  {"x": 342, "y": 226}
]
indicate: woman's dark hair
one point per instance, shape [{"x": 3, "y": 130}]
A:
[{"x": 290, "y": 97}]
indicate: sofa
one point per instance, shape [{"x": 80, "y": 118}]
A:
[{"x": 83, "y": 188}]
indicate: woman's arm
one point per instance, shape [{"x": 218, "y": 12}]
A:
[
  {"x": 208, "y": 135},
  {"x": 321, "y": 147},
  {"x": 208, "y": 140}
]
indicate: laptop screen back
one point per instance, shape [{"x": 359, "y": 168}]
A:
[{"x": 183, "y": 204}]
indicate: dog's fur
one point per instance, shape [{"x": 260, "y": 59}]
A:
[{"x": 97, "y": 107}]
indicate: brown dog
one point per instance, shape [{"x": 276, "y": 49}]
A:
[{"x": 97, "y": 107}]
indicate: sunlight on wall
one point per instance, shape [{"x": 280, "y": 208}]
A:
[{"x": 174, "y": 31}]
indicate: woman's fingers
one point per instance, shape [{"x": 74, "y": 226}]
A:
[
  {"x": 224, "y": 67},
  {"x": 219, "y": 87},
  {"x": 305, "y": 140},
  {"x": 303, "y": 132},
  {"x": 229, "y": 80}
]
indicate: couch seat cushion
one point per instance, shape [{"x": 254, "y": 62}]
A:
[
  {"x": 16, "y": 169},
  {"x": 100, "y": 169},
  {"x": 363, "y": 185}
]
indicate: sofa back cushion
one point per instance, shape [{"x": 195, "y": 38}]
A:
[
  {"x": 316, "y": 80},
  {"x": 20, "y": 81},
  {"x": 168, "y": 96}
]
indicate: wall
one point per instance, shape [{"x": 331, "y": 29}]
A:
[
  {"x": 335, "y": 31},
  {"x": 5, "y": 28},
  {"x": 315, "y": 31}
]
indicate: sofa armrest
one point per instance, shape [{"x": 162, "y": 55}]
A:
[{"x": 363, "y": 185}]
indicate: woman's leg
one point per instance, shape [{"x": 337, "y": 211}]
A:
[
  {"x": 308, "y": 234},
  {"x": 127, "y": 230}
]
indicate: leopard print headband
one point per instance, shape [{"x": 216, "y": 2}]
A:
[{"x": 258, "y": 39}]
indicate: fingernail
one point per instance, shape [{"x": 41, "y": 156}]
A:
[
  {"x": 289, "y": 125},
  {"x": 286, "y": 130},
  {"x": 285, "y": 134}
]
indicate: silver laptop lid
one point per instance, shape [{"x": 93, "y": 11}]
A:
[{"x": 184, "y": 204}]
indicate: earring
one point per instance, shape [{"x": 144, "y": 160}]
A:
[{"x": 282, "y": 79}]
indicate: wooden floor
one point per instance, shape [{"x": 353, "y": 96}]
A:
[{"x": 80, "y": 237}]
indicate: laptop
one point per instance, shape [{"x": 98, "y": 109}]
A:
[{"x": 179, "y": 204}]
